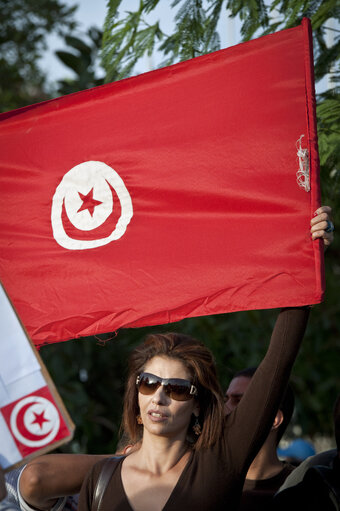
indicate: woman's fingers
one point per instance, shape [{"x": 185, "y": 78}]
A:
[{"x": 322, "y": 225}]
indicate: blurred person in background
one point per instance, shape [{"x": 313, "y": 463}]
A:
[
  {"x": 316, "y": 482},
  {"x": 266, "y": 473}
]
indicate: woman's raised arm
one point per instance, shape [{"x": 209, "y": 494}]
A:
[{"x": 249, "y": 424}]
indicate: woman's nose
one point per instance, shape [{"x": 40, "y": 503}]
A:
[{"x": 160, "y": 396}]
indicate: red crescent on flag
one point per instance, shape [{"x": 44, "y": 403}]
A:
[
  {"x": 21, "y": 424},
  {"x": 102, "y": 231}
]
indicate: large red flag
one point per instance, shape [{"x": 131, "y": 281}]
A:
[{"x": 165, "y": 196}]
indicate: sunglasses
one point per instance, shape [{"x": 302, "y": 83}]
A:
[{"x": 176, "y": 388}]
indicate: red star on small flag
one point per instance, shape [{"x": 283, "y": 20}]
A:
[
  {"x": 88, "y": 202},
  {"x": 40, "y": 419}
]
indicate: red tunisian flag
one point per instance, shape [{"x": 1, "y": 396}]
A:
[
  {"x": 34, "y": 421},
  {"x": 165, "y": 196}
]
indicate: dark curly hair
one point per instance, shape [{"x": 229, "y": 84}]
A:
[
  {"x": 286, "y": 405},
  {"x": 200, "y": 363}
]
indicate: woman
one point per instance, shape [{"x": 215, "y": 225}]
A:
[
  {"x": 173, "y": 393},
  {"x": 169, "y": 471}
]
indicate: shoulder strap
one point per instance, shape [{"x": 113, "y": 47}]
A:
[{"x": 103, "y": 480}]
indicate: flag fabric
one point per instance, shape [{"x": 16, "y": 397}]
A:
[
  {"x": 33, "y": 418},
  {"x": 182, "y": 192},
  {"x": 34, "y": 422}
]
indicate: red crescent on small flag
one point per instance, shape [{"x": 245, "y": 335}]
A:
[{"x": 29, "y": 435}]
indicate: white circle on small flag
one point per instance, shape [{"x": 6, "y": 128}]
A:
[
  {"x": 35, "y": 421},
  {"x": 86, "y": 196}
]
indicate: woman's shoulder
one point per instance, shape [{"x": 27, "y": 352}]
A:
[
  {"x": 108, "y": 464},
  {"x": 110, "y": 460}
]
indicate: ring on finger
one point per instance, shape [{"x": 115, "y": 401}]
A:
[{"x": 330, "y": 226}]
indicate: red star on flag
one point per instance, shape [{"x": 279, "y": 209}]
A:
[
  {"x": 88, "y": 202},
  {"x": 40, "y": 419}
]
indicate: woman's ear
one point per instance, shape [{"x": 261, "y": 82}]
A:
[{"x": 278, "y": 420}]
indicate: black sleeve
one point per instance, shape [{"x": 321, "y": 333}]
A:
[{"x": 249, "y": 424}]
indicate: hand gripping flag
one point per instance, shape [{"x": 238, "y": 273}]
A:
[{"x": 185, "y": 191}]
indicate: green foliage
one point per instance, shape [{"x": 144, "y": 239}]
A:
[
  {"x": 24, "y": 25},
  {"x": 123, "y": 44},
  {"x": 90, "y": 377},
  {"x": 195, "y": 34},
  {"x": 82, "y": 59},
  {"x": 328, "y": 115},
  {"x": 126, "y": 41},
  {"x": 253, "y": 14}
]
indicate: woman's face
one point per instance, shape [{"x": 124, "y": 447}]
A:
[{"x": 162, "y": 415}]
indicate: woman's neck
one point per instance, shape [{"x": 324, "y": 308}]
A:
[{"x": 160, "y": 454}]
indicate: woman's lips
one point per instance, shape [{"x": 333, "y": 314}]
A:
[{"x": 157, "y": 416}]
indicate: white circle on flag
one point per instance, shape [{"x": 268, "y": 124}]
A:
[
  {"x": 89, "y": 181},
  {"x": 35, "y": 421}
]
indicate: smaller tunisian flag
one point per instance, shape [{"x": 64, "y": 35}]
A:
[
  {"x": 165, "y": 196},
  {"x": 35, "y": 421}
]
